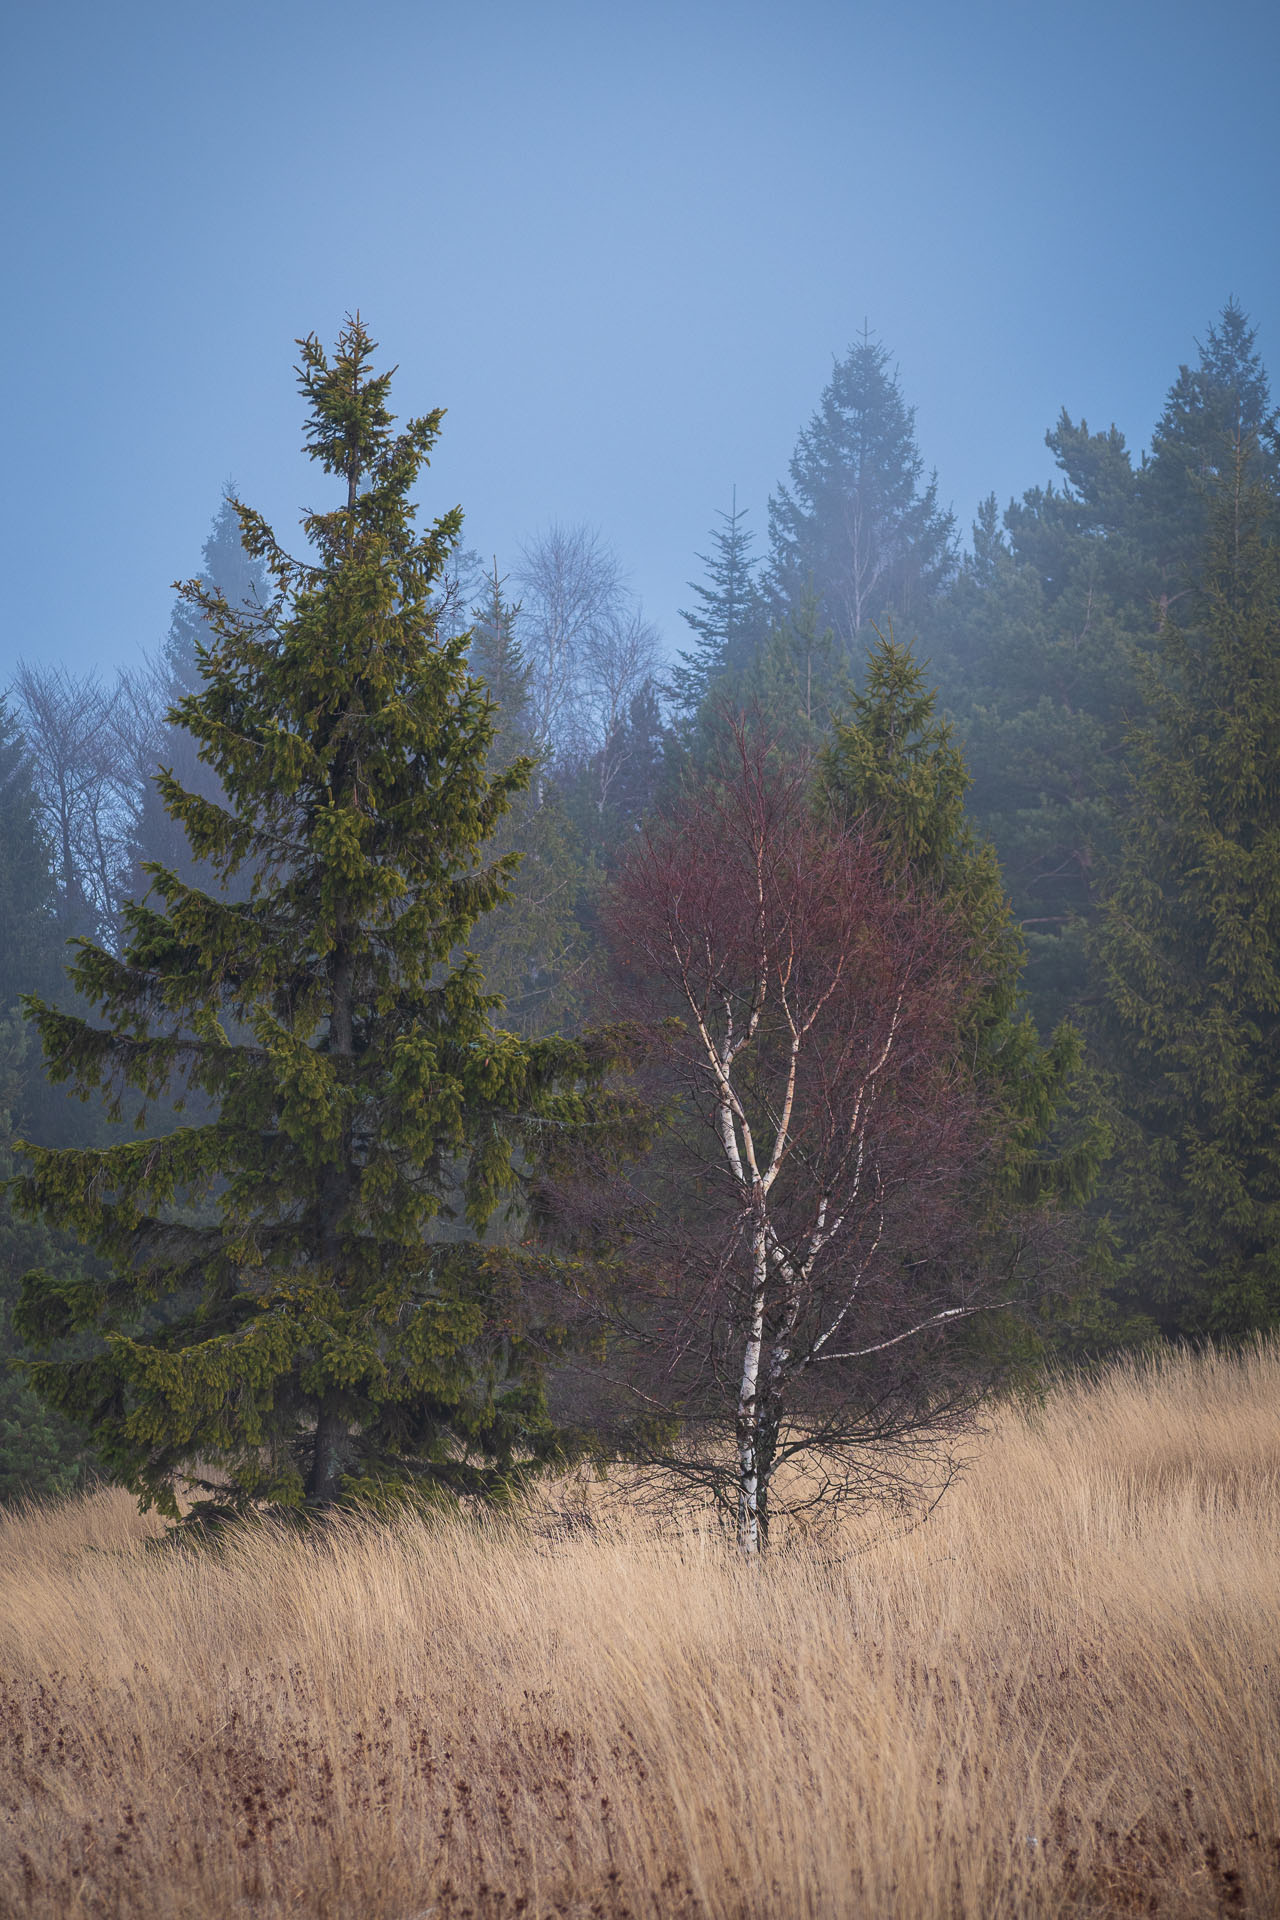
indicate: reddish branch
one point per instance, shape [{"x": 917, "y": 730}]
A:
[{"x": 801, "y": 1249}]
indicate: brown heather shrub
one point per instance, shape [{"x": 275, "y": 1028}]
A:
[{"x": 1057, "y": 1697}]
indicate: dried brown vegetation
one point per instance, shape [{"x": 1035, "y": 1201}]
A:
[{"x": 1060, "y": 1696}]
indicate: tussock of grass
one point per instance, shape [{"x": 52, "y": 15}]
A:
[{"x": 1060, "y": 1696}]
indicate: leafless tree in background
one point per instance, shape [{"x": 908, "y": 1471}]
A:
[
  {"x": 94, "y": 746},
  {"x": 618, "y": 660},
  {"x": 589, "y": 646}
]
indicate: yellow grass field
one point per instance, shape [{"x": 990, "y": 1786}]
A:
[{"x": 1059, "y": 1696}]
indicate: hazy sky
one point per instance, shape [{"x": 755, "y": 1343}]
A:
[{"x": 620, "y": 245}]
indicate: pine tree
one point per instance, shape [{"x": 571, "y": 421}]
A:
[
  {"x": 333, "y": 1322},
  {"x": 859, "y": 522},
  {"x": 1190, "y": 945},
  {"x": 729, "y": 620}
]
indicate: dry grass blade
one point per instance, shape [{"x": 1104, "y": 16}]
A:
[{"x": 1059, "y": 1697}]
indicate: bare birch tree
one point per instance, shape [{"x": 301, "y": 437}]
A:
[
  {"x": 94, "y": 746},
  {"x": 800, "y": 1254},
  {"x": 589, "y": 647},
  {"x": 570, "y": 584},
  {"x": 619, "y": 659}
]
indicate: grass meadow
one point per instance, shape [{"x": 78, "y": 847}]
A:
[{"x": 1059, "y": 1696}]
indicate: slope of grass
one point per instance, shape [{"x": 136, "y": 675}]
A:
[{"x": 1060, "y": 1696}]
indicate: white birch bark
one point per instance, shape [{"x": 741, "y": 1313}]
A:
[{"x": 749, "y": 1404}]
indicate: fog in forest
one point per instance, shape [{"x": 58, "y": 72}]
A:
[
  {"x": 640, "y": 935},
  {"x": 624, "y": 249}
]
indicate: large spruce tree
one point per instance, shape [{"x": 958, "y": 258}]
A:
[
  {"x": 859, "y": 524},
  {"x": 894, "y": 763},
  {"x": 1190, "y": 944},
  {"x": 299, "y": 1294},
  {"x": 1213, "y": 408}
]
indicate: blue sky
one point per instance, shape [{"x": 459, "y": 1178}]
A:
[{"x": 621, "y": 246}]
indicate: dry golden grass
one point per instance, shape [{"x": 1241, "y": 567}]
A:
[{"x": 1058, "y": 1697}]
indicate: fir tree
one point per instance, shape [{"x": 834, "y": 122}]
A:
[
  {"x": 497, "y": 658},
  {"x": 532, "y": 949},
  {"x": 727, "y": 623},
  {"x": 1035, "y": 643},
  {"x": 41, "y": 1454},
  {"x": 895, "y": 763},
  {"x": 230, "y": 571},
  {"x": 799, "y": 678},
  {"x": 1039, "y": 640},
  {"x": 242, "y": 582},
  {"x": 1221, "y": 404},
  {"x": 1190, "y": 945},
  {"x": 860, "y": 522},
  {"x": 30, "y": 936},
  {"x": 347, "y": 1332}
]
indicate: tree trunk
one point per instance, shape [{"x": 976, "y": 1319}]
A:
[
  {"x": 748, "y": 1420},
  {"x": 329, "y": 1457},
  {"x": 766, "y": 1451}
]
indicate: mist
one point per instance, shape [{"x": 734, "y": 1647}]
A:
[{"x": 623, "y": 249}]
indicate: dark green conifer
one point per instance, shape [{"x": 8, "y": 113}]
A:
[
  {"x": 41, "y": 1453},
  {"x": 31, "y": 938},
  {"x": 728, "y": 621},
  {"x": 533, "y": 950},
  {"x": 1190, "y": 944},
  {"x": 1213, "y": 408},
  {"x": 860, "y": 524},
  {"x": 895, "y": 764},
  {"x": 332, "y": 1323},
  {"x": 242, "y": 582},
  {"x": 799, "y": 679},
  {"x": 1035, "y": 645}
]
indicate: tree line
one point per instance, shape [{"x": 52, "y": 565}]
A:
[{"x": 735, "y": 1068}]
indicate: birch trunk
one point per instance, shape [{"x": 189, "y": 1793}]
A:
[{"x": 748, "y": 1422}]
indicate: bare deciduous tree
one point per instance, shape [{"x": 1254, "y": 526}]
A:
[
  {"x": 94, "y": 746},
  {"x": 589, "y": 647},
  {"x": 800, "y": 1248},
  {"x": 619, "y": 657},
  {"x": 570, "y": 583}
]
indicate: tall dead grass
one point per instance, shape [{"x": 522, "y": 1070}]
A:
[{"x": 1057, "y": 1697}]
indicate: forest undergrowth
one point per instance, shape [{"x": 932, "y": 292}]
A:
[{"x": 1059, "y": 1696}]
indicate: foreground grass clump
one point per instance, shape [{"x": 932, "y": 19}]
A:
[{"x": 1060, "y": 1696}]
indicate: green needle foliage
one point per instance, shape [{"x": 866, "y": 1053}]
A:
[
  {"x": 302, "y": 1292},
  {"x": 894, "y": 762},
  {"x": 1190, "y": 945}
]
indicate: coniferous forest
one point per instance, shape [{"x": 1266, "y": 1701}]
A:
[
  {"x": 640, "y": 963},
  {"x": 655, "y": 1269},
  {"x": 446, "y": 1034}
]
